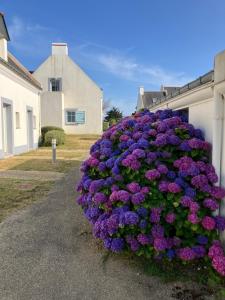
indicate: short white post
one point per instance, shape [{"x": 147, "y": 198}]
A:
[{"x": 53, "y": 150}]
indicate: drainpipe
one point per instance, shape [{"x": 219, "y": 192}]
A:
[{"x": 218, "y": 117}]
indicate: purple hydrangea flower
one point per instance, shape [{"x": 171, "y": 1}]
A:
[
  {"x": 211, "y": 204},
  {"x": 186, "y": 254},
  {"x": 171, "y": 175},
  {"x": 134, "y": 187},
  {"x": 202, "y": 240},
  {"x": 170, "y": 217},
  {"x": 155, "y": 214},
  {"x": 220, "y": 223},
  {"x": 174, "y": 188},
  {"x": 100, "y": 198},
  {"x": 170, "y": 254},
  {"x": 162, "y": 169},
  {"x": 160, "y": 244},
  {"x": 142, "y": 212},
  {"x": 152, "y": 174},
  {"x": 163, "y": 186},
  {"x": 117, "y": 244},
  {"x": 137, "y": 198},
  {"x": 139, "y": 153},
  {"x": 157, "y": 231},
  {"x": 208, "y": 223},
  {"x": 131, "y": 218},
  {"x": 193, "y": 218},
  {"x": 143, "y": 224},
  {"x": 123, "y": 196},
  {"x": 96, "y": 185},
  {"x": 107, "y": 243},
  {"x": 144, "y": 239},
  {"x": 199, "y": 251}
]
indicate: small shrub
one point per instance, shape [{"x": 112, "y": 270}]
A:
[
  {"x": 45, "y": 129},
  {"x": 59, "y": 135},
  {"x": 149, "y": 188}
]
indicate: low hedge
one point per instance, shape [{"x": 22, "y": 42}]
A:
[
  {"x": 45, "y": 129},
  {"x": 59, "y": 135}
]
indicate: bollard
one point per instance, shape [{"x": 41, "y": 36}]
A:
[{"x": 53, "y": 150}]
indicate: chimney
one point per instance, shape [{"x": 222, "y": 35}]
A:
[
  {"x": 4, "y": 38},
  {"x": 59, "y": 49},
  {"x": 141, "y": 90}
]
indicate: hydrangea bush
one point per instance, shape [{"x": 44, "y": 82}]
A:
[{"x": 148, "y": 187}]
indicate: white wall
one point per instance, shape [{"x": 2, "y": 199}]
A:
[
  {"x": 52, "y": 105},
  {"x": 80, "y": 92},
  {"x": 201, "y": 116},
  {"x": 22, "y": 94}
]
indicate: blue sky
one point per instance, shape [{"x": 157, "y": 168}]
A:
[{"x": 121, "y": 44}]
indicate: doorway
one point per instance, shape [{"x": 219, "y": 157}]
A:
[
  {"x": 30, "y": 129},
  {"x": 7, "y": 129}
]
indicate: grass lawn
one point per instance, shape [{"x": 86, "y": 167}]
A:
[
  {"x": 69, "y": 155},
  {"x": 16, "y": 194},
  {"x": 62, "y": 166}
]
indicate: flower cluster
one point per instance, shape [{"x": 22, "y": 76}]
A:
[{"x": 148, "y": 187}]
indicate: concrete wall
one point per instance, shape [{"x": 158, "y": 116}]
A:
[
  {"x": 80, "y": 93},
  {"x": 22, "y": 95}
]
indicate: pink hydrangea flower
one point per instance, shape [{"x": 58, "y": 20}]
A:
[{"x": 208, "y": 223}]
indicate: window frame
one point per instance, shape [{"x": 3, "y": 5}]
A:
[
  {"x": 74, "y": 122},
  {"x": 50, "y": 85}
]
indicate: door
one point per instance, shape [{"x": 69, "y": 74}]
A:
[
  {"x": 29, "y": 129},
  {"x": 7, "y": 129}
]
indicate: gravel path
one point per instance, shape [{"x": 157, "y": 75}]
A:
[
  {"x": 32, "y": 175},
  {"x": 48, "y": 253}
]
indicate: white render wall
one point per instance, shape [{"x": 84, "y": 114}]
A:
[
  {"x": 22, "y": 95},
  {"x": 52, "y": 106},
  {"x": 80, "y": 93}
]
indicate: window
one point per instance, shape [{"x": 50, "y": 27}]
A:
[
  {"x": 55, "y": 84},
  {"x": 75, "y": 117},
  {"x": 17, "y": 120},
  {"x": 34, "y": 122}
]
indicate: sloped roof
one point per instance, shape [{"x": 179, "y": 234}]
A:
[
  {"x": 3, "y": 28},
  {"x": 149, "y": 96},
  {"x": 171, "y": 89},
  {"x": 204, "y": 79},
  {"x": 15, "y": 66}
]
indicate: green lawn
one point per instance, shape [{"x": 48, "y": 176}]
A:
[
  {"x": 62, "y": 166},
  {"x": 16, "y": 194}
]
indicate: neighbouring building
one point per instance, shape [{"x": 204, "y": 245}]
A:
[
  {"x": 70, "y": 98},
  {"x": 19, "y": 102},
  {"x": 203, "y": 100}
]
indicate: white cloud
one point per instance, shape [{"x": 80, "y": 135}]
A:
[
  {"x": 122, "y": 65},
  {"x": 31, "y": 39},
  {"x": 128, "y": 68}
]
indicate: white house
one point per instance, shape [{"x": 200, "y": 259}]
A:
[
  {"x": 203, "y": 100},
  {"x": 70, "y": 99},
  {"x": 19, "y": 102}
]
